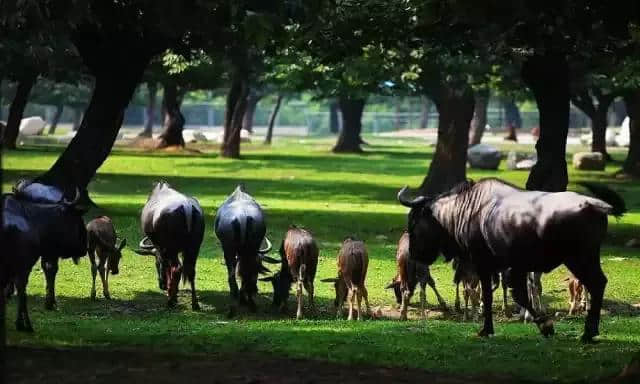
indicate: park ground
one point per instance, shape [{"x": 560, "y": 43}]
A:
[{"x": 298, "y": 181}]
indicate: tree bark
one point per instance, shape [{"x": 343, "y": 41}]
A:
[
  {"x": 449, "y": 165},
  {"x": 548, "y": 77},
  {"x": 56, "y": 119},
  {"x": 78, "y": 115},
  {"x": 598, "y": 116},
  {"x": 424, "y": 113},
  {"x": 25, "y": 84},
  {"x": 150, "y": 110},
  {"x": 252, "y": 103},
  {"x": 512, "y": 119},
  {"x": 349, "y": 139},
  {"x": 631, "y": 164},
  {"x": 272, "y": 120},
  {"x": 173, "y": 118},
  {"x": 235, "y": 109},
  {"x": 479, "y": 121},
  {"x": 334, "y": 124}
]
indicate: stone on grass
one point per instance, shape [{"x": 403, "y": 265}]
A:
[
  {"x": 588, "y": 161},
  {"x": 32, "y": 126},
  {"x": 484, "y": 156}
]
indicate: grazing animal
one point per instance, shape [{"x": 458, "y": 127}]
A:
[
  {"x": 36, "y": 226},
  {"x": 502, "y": 226},
  {"x": 579, "y": 296},
  {"x": 400, "y": 283},
  {"x": 172, "y": 223},
  {"x": 101, "y": 241},
  {"x": 471, "y": 290},
  {"x": 241, "y": 229},
  {"x": 353, "y": 261},
  {"x": 299, "y": 254},
  {"x": 534, "y": 291}
]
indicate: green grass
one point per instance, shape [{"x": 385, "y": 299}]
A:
[{"x": 300, "y": 182}]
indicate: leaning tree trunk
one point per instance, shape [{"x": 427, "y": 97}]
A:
[
  {"x": 334, "y": 124},
  {"x": 173, "y": 119},
  {"x": 349, "y": 139},
  {"x": 631, "y": 164},
  {"x": 455, "y": 110},
  {"x": 78, "y": 115},
  {"x": 548, "y": 77},
  {"x": 56, "y": 119},
  {"x": 598, "y": 116},
  {"x": 479, "y": 121},
  {"x": 235, "y": 109},
  {"x": 425, "y": 109},
  {"x": 249, "y": 113},
  {"x": 272, "y": 120},
  {"x": 150, "y": 110},
  {"x": 16, "y": 110}
]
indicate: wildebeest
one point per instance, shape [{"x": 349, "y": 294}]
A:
[
  {"x": 172, "y": 223},
  {"x": 534, "y": 291},
  {"x": 241, "y": 229},
  {"x": 299, "y": 254},
  {"x": 578, "y": 296},
  {"x": 502, "y": 226},
  {"x": 101, "y": 241},
  {"x": 353, "y": 261},
  {"x": 466, "y": 275},
  {"x": 35, "y": 225},
  {"x": 400, "y": 283}
]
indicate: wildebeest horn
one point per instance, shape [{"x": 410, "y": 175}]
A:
[
  {"x": 392, "y": 285},
  {"x": 404, "y": 200},
  {"x": 270, "y": 260},
  {"x": 266, "y": 250},
  {"x": 329, "y": 280},
  {"x": 268, "y": 278},
  {"x": 146, "y": 243},
  {"x": 74, "y": 201}
]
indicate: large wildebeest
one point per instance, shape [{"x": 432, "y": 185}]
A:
[
  {"x": 172, "y": 223},
  {"x": 498, "y": 225},
  {"x": 240, "y": 227},
  {"x": 299, "y": 254},
  {"x": 39, "y": 222}
]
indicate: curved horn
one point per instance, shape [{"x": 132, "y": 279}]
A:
[
  {"x": 270, "y": 260},
  {"x": 72, "y": 202},
  {"x": 266, "y": 250},
  {"x": 404, "y": 200},
  {"x": 146, "y": 243},
  {"x": 329, "y": 280}
]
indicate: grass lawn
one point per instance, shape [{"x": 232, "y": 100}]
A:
[{"x": 300, "y": 182}]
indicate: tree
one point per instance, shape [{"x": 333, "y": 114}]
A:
[
  {"x": 61, "y": 94},
  {"x": 150, "y": 110},
  {"x": 479, "y": 120},
  {"x": 595, "y": 103},
  {"x": 631, "y": 164},
  {"x": 272, "y": 119}
]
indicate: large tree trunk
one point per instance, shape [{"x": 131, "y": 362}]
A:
[
  {"x": 235, "y": 109},
  {"x": 548, "y": 77},
  {"x": 632, "y": 163},
  {"x": 448, "y": 167},
  {"x": 479, "y": 121},
  {"x": 425, "y": 110},
  {"x": 334, "y": 124},
  {"x": 349, "y": 139},
  {"x": 598, "y": 116},
  {"x": 272, "y": 120},
  {"x": 252, "y": 103},
  {"x": 25, "y": 84},
  {"x": 150, "y": 110},
  {"x": 56, "y": 119},
  {"x": 173, "y": 118}
]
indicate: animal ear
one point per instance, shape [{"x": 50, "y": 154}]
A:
[
  {"x": 330, "y": 280},
  {"x": 123, "y": 242},
  {"x": 392, "y": 285}
]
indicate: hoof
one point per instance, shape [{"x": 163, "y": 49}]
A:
[
  {"x": 485, "y": 333},
  {"x": 546, "y": 328}
]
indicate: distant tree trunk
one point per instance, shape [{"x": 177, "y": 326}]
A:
[
  {"x": 632, "y": 163},
  {"x": 425, "y": 110},
  {"x": 150, "y": 110},
  {"x": 235, "y": 109},
  {"x": 272, "y": 120},
  {"x": 334, "y": 124},
  {"x": 78, "y": 115},
  {"x": 512, "y": 119},
  {"x": 397, "y": 123},
  {"x": 349, "y": 139},
  {"x": 173, "y": 119},
  {"x": 598, "y": 116},
  {"x": 56, "y": 119},
  {"x": 17, "y": 110},
  {"x": 548, "y": 77},
  {"x": 619, "y": 111},
  {"x": 455, "y": 110},
  {"x": 479, "y": 121},
  {"x": 249, "y": 113}
]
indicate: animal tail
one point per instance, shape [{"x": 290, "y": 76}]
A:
[{"x": 609, "y": 196}]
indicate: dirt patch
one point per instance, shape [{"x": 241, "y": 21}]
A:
[{"x": 35, "y": 365}]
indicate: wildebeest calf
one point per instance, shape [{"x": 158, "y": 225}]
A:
[
  {"x": 299, "y": 254},
  {"x": 402, "y": 288},
  {"x": 101, "y": 241},
  {"x": 579, "y": 297},
  {"x": 353, "y": 261},
  {"x": 466, "y": 274}
]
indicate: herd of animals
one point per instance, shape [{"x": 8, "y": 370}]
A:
[{"x": 495, "y": 233}]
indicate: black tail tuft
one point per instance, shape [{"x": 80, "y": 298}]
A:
[{"x": 607, "y": 195}]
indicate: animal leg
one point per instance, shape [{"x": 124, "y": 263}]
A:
[
  {"x": 50, "y": 268},
  {"x": 358, "y": 298},
  {"x": 365, "y": 295},
  {"x": 475, "y": 302},
  {"x": 521, "y": 297},
  {"x": 23, "y": 323},
  {"x": 231, "y": 263},
  {"x": 308, "y": 285},
  {"x": 175, "y": 273},
  {"x": 299, "y": 298},
  {"x": 432, "y": 284},
  {"x": 505, "y": 298},
  {"x": 350, "y": 297},
  {"x": 189, "y": 270},
  {"x": 594, "y": 281},
  {"x": 423, "y": 299},
  {"x": 487, "y": 301},
  {"x": 465, "y": 293},
  {"x": 404, "y": 304},
  {"x": 103, "y": 277},
  {"x": 456, "y": 305},
  {"x": 94, "y": 273}
]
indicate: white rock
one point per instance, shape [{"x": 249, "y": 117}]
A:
[
  {"x": 589, "y": 161},
  {"x": 623, "y": 138},
  {"x": 526, "y": 164},
  {"x": 484, "y": 156},
  {"x": 199, "y": 136},
  {"x": 610, "y": 138},
  {"x": 32, "y": 126}
]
